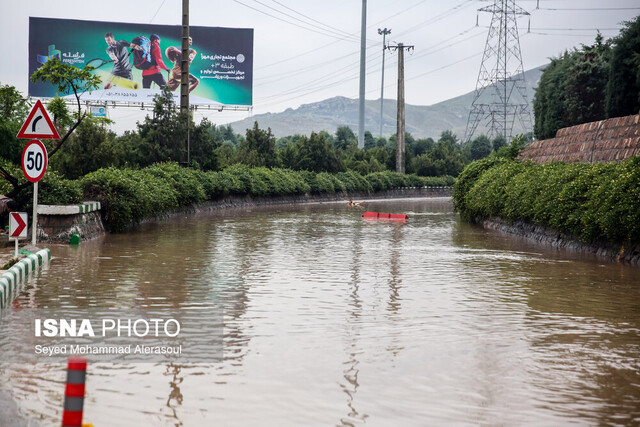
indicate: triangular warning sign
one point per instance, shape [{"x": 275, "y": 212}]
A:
[{"x": 38, "y": 124}]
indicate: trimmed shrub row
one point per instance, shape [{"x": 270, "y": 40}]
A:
[
  {"x": 129, "y": 196},
  {"x": 589, "y": 201}
]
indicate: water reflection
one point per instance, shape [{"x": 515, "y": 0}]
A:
[
  {"x": 581, "y": 322},
  {"x": 329, "y": 319},
  {"x": 350, "y": 373},
  {"x": 175, "y": 396}
]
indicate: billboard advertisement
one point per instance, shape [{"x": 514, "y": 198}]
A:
[{"x": 134, "y": 61}]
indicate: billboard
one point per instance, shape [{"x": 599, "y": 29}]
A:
[{"x": 134, "y": 61}]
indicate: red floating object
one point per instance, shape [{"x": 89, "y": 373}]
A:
[{"x": 386, "y": 216}]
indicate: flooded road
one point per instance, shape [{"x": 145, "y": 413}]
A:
[{"x": 333, "y": 320}]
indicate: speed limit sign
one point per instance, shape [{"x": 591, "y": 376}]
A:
[{"x": 34, "y": 160}]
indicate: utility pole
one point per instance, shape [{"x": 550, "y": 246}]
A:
[
  {"x": 184, "y": 72},
  {"x": 363, "y": 55},
  {"x": 384, "y": 36},
  {"x": 400, "y": 147}
]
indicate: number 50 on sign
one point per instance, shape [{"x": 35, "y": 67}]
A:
[{"x": 34, "y": 160}]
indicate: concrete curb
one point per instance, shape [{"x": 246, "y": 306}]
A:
[
  {"x": 11, "y": 279},
  {"x": 86, "y": 207},
  {"x": 550, "y": 237}
]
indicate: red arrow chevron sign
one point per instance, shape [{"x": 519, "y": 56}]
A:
[{"x": 17, "y": 224}]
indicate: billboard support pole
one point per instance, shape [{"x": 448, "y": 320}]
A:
[{"x": 184, "y": 82}]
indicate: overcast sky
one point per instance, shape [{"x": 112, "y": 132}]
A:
[{"x": 308, "y": 50}]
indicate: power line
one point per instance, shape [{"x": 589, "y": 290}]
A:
[
  {"x": 373, "y": 61},
  {"x": 312, "y": 67},
  {"x": 427, "y": 22},
  {"x": 431, "y": 52},
  {"x": 445, "y": 66},
  {"x": 312, "y": 19},
  {"x": 396, "y": 14},
  {"x": 352, "y": 77},
  {"x": 335, "y": 74},
  {"x": 299, "y": 20},
  {"x": 591, "y": 8},
  {"x": 436, "y": 18},
  {"x": 421, "y": 25},
  {"x": 314, "y": 89},
  {"x": 155, "y": 14},
  {"x": 562, "y": 34},
  {"x": 575, "y": 29},
  {"x": 291, "y": 23}
]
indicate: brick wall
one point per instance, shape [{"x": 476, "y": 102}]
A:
[{"x": 608, "y": 140}]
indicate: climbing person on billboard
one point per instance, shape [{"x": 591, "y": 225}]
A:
[
  {"x": 117, "y": 51},
  {"x": 152, "y": 74},
  {"x": 174, "y": 54}
]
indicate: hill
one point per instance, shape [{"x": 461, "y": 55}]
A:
[{"x": 421, "y": 121}]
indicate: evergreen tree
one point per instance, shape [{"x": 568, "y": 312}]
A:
[
  {"x": 345, "y": 137},
  {"x": 369, "y": 141},
  {"x": 162, "y": 137},
  {"x": 623, "y": 89},
  {"x": 548, "y": 102},
  {"x": 587, "y": 84},
  {"x": 498, "y": 142},
  {"x": 258, "y": 148},
  {"x": 317, "y": 155},
  {"x": 480, "y": 147}
]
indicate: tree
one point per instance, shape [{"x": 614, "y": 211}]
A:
[
  {"x": 369, "y": 141},
  {"x": 586, "y": 85},
  {"x": 480, "y": 147},
  {"x": 548, "y": 101},
  {"x": 381, "y": 141},
  {"x": 68, "y": 80},
  {"x": 86, "y": 150},
  {"x": 449, "y": 138},
  {"x": 572, "y": 89},
  {"x": 226, "y": 155},
  {"x": 381, "y": 155},
  {"x": 421, "y": 146},
  {"x": 204, "y": 145},
  {"x": 258, "y": 148},
  {"x": 446, "y": 158},
  {"x": 317, "y": 155},
  {"x": 225, "y": 134},
  {"x": 345, "y": 137},
  {"x": 161, "y": 138},
  {"x": 623, "y": 88},
  {"x": 13, "y": 111},
  {"x": 498, "y": 142}
]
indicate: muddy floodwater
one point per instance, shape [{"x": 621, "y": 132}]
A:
[{"x": 330, "y": 319}]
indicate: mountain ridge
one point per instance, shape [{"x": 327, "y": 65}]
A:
[{"x": 421, "y": 121}]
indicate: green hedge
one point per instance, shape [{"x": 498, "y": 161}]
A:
[
  {"x": 52, "y": 188},
  {"x": 130, "y": 196},
  {"x": 588, "y": 201}
]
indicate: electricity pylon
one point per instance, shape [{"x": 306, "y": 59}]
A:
[{"x": 500, "y": 95}]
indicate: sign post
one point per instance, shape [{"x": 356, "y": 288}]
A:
[
  {"x": 34, "y": 156},
  {"x": 18, "y": 227},
  {"x": 34, "y": 165}
]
